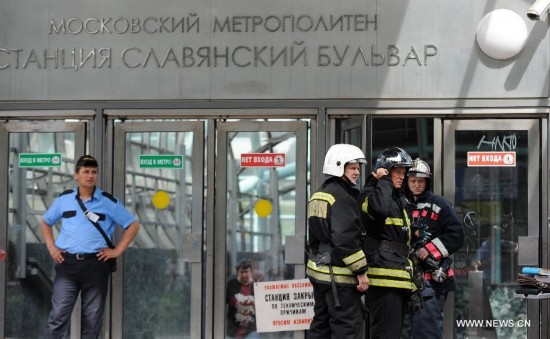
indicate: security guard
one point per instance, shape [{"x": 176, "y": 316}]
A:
[
  {"x": 82, "y": 252},
  {"x": 445, "y": 236},
  {"x": 337, "y": 264},
  {"x": 388, "y": 226}
]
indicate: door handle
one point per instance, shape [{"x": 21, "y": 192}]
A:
[
  {"x": 191, "y": 246},
  {"x": 294, "y": 249},
  {"x": 528, "y": 250}
]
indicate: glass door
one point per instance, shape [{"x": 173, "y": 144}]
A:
[
  {"x": 37, "y": 164},
  {"x": 491, "y": 175},
  {"x": 261, "y": 195},
  {"x": 159, "y": 172}
]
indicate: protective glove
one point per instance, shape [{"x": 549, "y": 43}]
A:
[
  {"x": 422, "y": 234},
  {"x": 415, "y": 302}
]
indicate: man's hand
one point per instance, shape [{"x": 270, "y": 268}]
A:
[
  {"x": 363, "y": 282},
  {"x": 379, "y": 173},
  {"x": 414, "y": 304},
  {"x": 422, "y": 253},
  {"x": 107, "y": 253},
  {"x": 421, "y": 233},
  {"x": 56, "y": 254}
]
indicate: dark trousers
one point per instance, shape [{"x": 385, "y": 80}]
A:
[
  {"x": 90, "y": 278},
  {"x": 334, "y": 322},
  {"x": 386, "y": 311},
  {"x": 429, "y": 323}
]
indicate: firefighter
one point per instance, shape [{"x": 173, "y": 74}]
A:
[
  {"x": 337, "y": 264},
  {"x": 386, "y": 218},
  {"x": 436, "y": 218}
]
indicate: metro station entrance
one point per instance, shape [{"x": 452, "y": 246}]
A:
[
  {"x": 260, "y": 209},
  {"x": 203, "y": 208},
  {"x": 200, "y": 211},
  {"x": 158, "y": 168},
  {"x": 490, "y": 171},
  {"x": 37, "y": 164},
  {"x": 181, "y": 260},
  {"x": 500, "y": 198}
]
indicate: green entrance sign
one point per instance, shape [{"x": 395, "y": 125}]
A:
[
  {"x": 40, "y": 160},
  {"x": 161, "y": 161}
]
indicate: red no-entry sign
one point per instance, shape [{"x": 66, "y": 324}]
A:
[
  {"x": 491, "y": 159},
  {"x": 263, "y": 160}
]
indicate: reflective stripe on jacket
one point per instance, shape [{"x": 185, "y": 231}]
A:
[
  {"x": 386, "y": 218},
  {"x": 447, "y": 232},
  {"x": 387, "y": 277},
  {"x": 334, "y": 234},
  {"x": 321, "y": 273}
]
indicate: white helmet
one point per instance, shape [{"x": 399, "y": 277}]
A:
[
  {"x": 339, "y": 155},
  {"x": 420, "y": 169}
]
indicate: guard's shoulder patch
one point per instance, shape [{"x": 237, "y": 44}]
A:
[
  {"x": 110, "y": 196},
  {"x": 66, "y": 192}
]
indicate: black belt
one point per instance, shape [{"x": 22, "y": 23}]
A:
[
  {"x": 80, "y": 256},
  {"x": 396, "y": 247}
]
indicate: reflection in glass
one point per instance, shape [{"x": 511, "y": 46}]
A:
[
  {"x": 249, "y": 234},
  {"x": 30, "y": 269},
  {"x": 156, "y": 280},
  {"x": 492, "y": 202}
]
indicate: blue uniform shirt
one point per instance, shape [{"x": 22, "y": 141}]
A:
[{"x": 78, "y": 234}]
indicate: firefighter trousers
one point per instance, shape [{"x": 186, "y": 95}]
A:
[
  {"x": 386, "y": 306},
  {"x": 331, "y": 322},
  {"x": 429, "y": 323}
]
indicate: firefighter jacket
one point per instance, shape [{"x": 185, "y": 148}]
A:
[
  {"x": 388, "y": 225},
  {"x": 447, "y": 233},
  {"x": 334, "y": 234}
]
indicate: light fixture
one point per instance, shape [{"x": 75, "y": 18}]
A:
[{"x": 501, "y": 34}]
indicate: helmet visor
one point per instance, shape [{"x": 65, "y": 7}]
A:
[
  {"x": 359, "y": 160},
  {"x": 417, "y": 174}
]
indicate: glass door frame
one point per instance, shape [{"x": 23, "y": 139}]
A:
[
  {"x": 31, "y": 126},
  {"x": 220, "y": 224},
  {"x": 442, "y": 158},
  {"x": 445, "y": 179},
  {"x": 194, "y": 240}
]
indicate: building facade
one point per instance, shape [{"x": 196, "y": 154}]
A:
[{"x": 138, "y": 84}]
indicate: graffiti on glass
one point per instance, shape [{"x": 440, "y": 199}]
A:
[{"x": 498, "y": 143}]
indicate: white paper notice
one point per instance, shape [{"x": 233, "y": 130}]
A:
[{"x": 285, "y": 305}]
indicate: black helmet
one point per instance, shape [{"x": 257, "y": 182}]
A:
[{"x": 393, "y": 157}]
